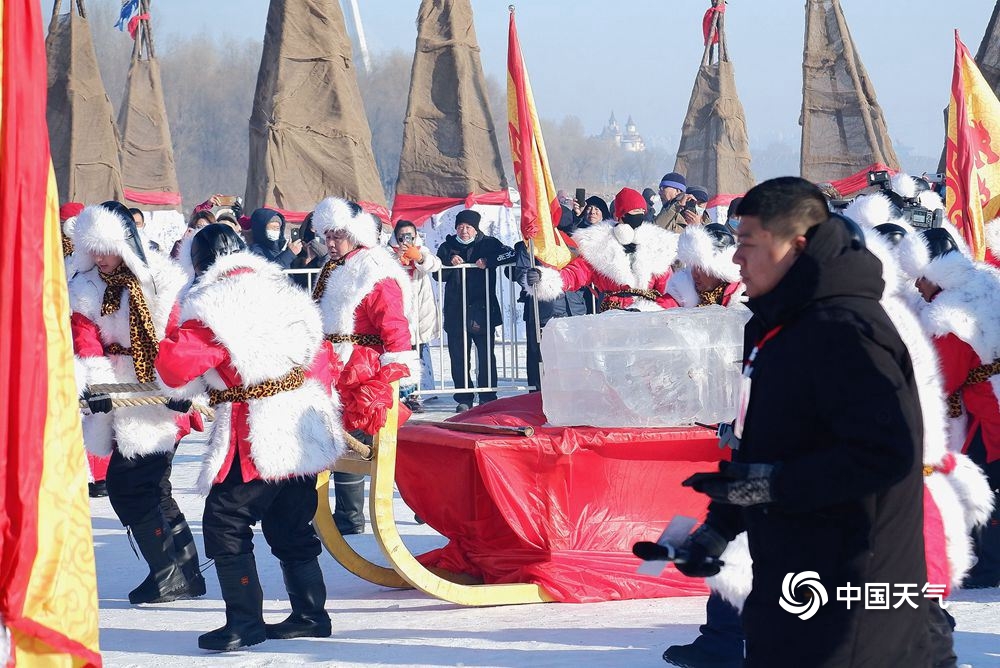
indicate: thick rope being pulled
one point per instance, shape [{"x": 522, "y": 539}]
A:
[{"x": 365, "y": 451}]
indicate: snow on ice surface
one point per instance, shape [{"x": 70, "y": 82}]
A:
[{"x": 373, "y": 626}]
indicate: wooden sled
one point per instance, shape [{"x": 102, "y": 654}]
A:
[{"x": 405, "y": 572}]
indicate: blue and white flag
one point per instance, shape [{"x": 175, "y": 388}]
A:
[{"x": 129, "y": 9}]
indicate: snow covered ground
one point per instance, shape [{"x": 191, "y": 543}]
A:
[{"x": 379, "y": 627}]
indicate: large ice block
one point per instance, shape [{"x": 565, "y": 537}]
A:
[{"x": 660, "y": 369}]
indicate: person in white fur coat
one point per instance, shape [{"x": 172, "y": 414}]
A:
[
  {"x": 363, "y": 295},
  {"x": 628, "y": 261},
  {"x": 709, "y": 276},
  {"x": 122, "y": 299},
  {"x": 962, "y": 315},
  {"x": 250, "y": 338}
]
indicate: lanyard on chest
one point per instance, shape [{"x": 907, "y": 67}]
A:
[{"x": 746, "y": 381}]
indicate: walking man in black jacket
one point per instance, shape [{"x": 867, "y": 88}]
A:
[{"x": 827, "y": 477}]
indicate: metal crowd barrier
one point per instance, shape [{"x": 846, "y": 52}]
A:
[{"x": 510, "y": 346}]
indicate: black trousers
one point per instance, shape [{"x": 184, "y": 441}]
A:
[
  {"x": 284, "y": 508},
  {"x": 137, "y": 486},
  {"x": 461, "y": 355}
]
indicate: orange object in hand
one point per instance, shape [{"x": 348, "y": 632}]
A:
[{"x": 412, "y": 253}]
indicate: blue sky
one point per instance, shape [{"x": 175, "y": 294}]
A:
[{"x": 639, "y": 57}]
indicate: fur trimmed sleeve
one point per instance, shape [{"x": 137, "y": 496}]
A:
[
  {"x": 190, "y": 350},
  {"x": 551, "y": 285},
  {"x": 409, "y": 358}
]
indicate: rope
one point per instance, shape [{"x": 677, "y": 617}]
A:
[
  {"x": 137, "y": 402},
  {"x": 114, "y": 388},
  {"x": 365, "y": 451}
]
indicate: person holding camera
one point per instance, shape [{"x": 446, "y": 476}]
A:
[
  {"x": 419, "y": 262},
  {"x": 673, "y": 197},
  {"x": 471, "y": 309}
]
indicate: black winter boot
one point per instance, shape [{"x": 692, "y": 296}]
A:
[
  {"x": 307, "y": 594},
  {"x": 166, "y": 581},
  {"x": 986, "y": 572},
  {"x": 244, "y": 605},
  {"x": 187, "y": 554},
  {"x": 349, "y": 509}
]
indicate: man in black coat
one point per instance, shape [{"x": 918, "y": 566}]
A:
[
  {"x": 474, "y": 318},
  {"x": 827, "y": 477}
]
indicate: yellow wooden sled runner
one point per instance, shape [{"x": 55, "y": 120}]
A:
[{"x": 405, "y": 571}]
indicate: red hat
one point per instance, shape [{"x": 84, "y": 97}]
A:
[
  {"x": 628, "y": 200},
  {"x": 70, "y": 209}
]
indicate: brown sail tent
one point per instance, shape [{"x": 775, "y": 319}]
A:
[
  {"x": 82, "y": 133},
  {"x": 843, "y": 130},
  {"x": 309, "y": 136},
  {"x": 148, "y": 170},
  {"x": 450, "y": 147},
  {"x": 714, "y": 149}
]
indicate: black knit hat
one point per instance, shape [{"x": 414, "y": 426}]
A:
[{"x": 468, "y": 217}]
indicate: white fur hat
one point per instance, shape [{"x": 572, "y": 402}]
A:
[
  {"x": 697, "y": 247},
  {"x": 870, "y": 210},
  {"x": 102, "y": 231},
  {"x": 946, "y": 270},
  {"x": 334, "y": 213}
]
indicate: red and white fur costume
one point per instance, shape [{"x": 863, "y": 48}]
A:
[
  {"x": 137, "y": 431},
  {"x": 695, "y": 249},
  {"x": 603, "y": 263},
  {"x": 217, "y": 346}
]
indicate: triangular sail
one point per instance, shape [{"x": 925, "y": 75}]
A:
[
  {"x": 309, "y": 136},
  {"x": 450, "y": 146},
  {"x": 714, "y": 150},
  {"x": 82, "y": 133},
  {"x": 148, "y": 169},
  {"x": 843, "y": 129}
]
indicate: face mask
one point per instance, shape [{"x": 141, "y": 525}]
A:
[
  {"x": 733, "y": 222},
  {"x": 463, "y": 241},
  {"x": 634, "y": 220},
  {"x": 272, "y": 235},
  {"x": 699, "y": 210}
]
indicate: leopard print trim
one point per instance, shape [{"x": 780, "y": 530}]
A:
[
  {"x": 67, "y": 245},
  {"x": 370, "y": 340},
  {"x": 712, "y": 297},
  {"x": 979, "y": 374},
  {"x": 613, "y": 300},
  {"x": 117, "y": 349},
  {"x": 142, "y": 337},
  {"x": 292, "y": 380},
  {"x": 324, "y": 276}
]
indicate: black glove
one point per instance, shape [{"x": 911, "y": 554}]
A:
[
  {"x": 736, "y": 483},
  {"x": 533, "y": 276},
  {"x": 98, "y": 403},
  {"x": 698, "y": 555},
  {"x": 179, "y": 405}
]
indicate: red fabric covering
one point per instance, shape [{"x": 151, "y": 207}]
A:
[
  {"x": 560, "y": 509},
  {"x": 849, "y": 185},
  {"x": 376, "y": 210},
  {"x": 153, "y": 198},
  {"x": 70, "y": 209},
  {"x": 722, "y": 200},
  {"x": 418, "y": 208}
]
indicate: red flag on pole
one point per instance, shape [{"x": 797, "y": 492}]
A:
[
  {"x": 48, "y": 592},
  {"x": 540, "y": 210}
]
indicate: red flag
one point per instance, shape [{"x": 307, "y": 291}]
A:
[
  {"x": 972, "y": 151},
  {"x": 540, "y": 210},
  {"x": 48, "y": 597}
]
